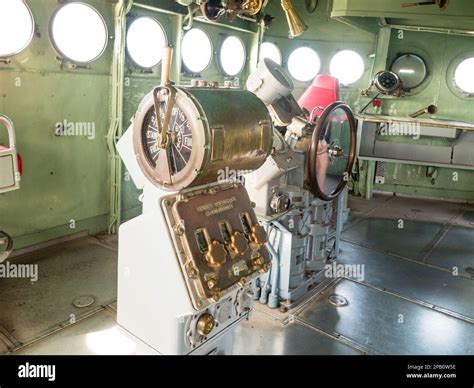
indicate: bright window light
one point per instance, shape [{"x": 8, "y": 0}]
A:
[
  {"x": 79, "y": 32},
  {"x": 16, "y": 27},
  {"x": 347, "y": 66},
  {"x": 304, "y": 64},
  {"x": 110, "y": 342},
  {"x": 232, "y": 56},
  {"x": 464, "y": 76},
  {"x": 196, "y": 50},
  {"x": 270, "y": 50},
  {"x": 139, "y": 34}
]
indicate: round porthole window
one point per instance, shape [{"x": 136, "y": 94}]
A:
[
  {"x": 411, "y": 69},
  {"x": 464, "y": 76},
  {"x": 78, "y": 32},
  {"x": 347, "y": 66},
  {"x": 270, "y": 50},
  {"x": 304, "y": 64},
  {"x": 232, "y": 56},
  {"x": 16, "y": 27},
  {"x": 196, "y": 50},
  {"x": 140, "y": 32}
]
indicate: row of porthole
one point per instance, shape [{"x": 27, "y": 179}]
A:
[
  {"x": 304, "y": 63},
  {"x": 79, "y": 33},
  {"x": 348, "y": 66},
  {"x": 77, "y": 30},
  {"x": 196, "y": 48}
]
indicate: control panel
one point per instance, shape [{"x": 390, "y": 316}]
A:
[{"x": 219, "y": 242}]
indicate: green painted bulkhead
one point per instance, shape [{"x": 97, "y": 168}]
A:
[
  {"x": 74, "y": 184},
  {"x": 64, "y": 188}
]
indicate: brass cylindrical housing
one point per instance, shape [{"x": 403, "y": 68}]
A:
[{"x": 219, "y": 132}]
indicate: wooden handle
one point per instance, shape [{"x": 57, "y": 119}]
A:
[{"x": 166, "y": 66}]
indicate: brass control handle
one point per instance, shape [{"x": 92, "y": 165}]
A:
[
  {"x": 166, "y": 66},
  {"x": 216, "y": 254},
  {"x": 238, "y": 243},
  {"x": 163, "y": 164},
  {"x": 259, "y": 235}
]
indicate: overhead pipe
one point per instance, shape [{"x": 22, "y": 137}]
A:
[
  {"x": 115, "y": 130},
  {"x": 273, "y": 298}
]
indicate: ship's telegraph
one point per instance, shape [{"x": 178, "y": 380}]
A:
[
  {"x": 185, "y": 140},
  {"x": 202, "y": 132}
]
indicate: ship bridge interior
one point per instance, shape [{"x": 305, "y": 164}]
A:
[{"x": 308, "y": 188}]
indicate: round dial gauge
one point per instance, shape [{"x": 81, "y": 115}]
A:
[
  {"x": 199, "y": 143},
  {"x": 387, "y": 82},
  {"x": 181, "y": 140}
]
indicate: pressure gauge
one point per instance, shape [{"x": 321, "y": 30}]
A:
[{"x": 387, "y": 82}]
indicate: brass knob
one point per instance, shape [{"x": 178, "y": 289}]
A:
[
  {"x": 216, "y": 254},
  {"x": 238, "y": 243},
  {"x": 205, "y": 324},
  {"x": 211, "y": 283},
  {"x": 258, "y": 234}
]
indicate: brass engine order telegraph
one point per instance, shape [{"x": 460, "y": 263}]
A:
[
  {"x": 198, "y": 134},
  {"x": 183, "y": 138}
]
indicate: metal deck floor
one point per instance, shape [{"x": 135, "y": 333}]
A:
[{"x": 409, "y": 301}]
